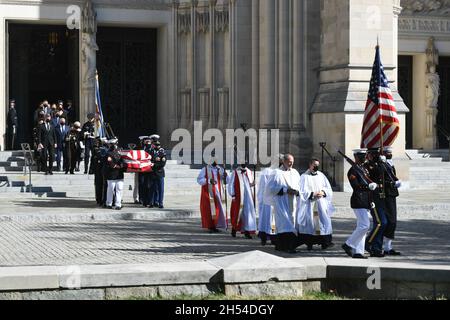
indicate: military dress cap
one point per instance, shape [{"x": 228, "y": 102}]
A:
[
  {"x": 113, "y": 141},
  {"x": 373, "y": 150},
  {"x": 60, "y": 102},
  {"x": 155, "y": 137},
  {"x": 360, "y": 151},
  {"x": 143, "y": 138},
  {"x": 91, "y": 116},
  {"x": 388, "y": 149},
  {"x": 12, "y": 101}
]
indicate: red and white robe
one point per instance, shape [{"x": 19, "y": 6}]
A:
[
  {"x": 243, "y": 213},
  {"x": 212, "y": 202}
]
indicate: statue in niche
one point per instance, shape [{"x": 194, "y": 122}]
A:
[
  {"x": 89, "y": 48},
  {"x": 433, "y": 79},
  {"x": 89, "y": 45}
]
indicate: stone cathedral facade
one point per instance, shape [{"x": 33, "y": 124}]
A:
[{"x": 301, "y": 66}]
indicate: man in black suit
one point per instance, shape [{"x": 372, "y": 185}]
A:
[
  {"x": 48, "y": 143},
  {"x": 62, "y": 130},
  {"x": 12, "y": 125}
]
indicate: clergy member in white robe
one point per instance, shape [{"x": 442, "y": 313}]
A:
[
  {"x": 243, "y": 212},
  {"x": 283, "y": 189},
  {"x": 315, "y": 208},
  {"x": 213, "y": 180},
  {"x": 266, "y": 222}
]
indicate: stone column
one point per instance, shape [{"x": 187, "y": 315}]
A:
[
  {"x": 88, "y": 60},
  {"x": 186, "y": 109},
  {"x": 175, "y": 7},
  {"x": 223, "y": 108},
  {"x": 432, "y": 95},
  {"x": 348, "y": 51},
  {"x": 397, "y": 9},
  {"x": 233, "y": 30},
  {"x": 204, "y": 106},
  {"x": 212, "y": 63},
  {"x": 283, "y": 64},
  {"x": 267, "y": 63},
  {"x": 194, "y": 106},
  {"x": 4, "y": 96},
  {"x": 255, "y": 65}
]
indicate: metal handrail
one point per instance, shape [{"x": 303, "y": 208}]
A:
[
  {"x": 29, "y": 162},
  {"x": 445, "y": 133},
  {"x": 333, "y": 160}
]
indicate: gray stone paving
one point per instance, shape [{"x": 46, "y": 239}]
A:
[{"x": 162, "y": 241}]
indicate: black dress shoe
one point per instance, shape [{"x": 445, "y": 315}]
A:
[
  {"x": 393, "y": 253},
  {"x": 348, "y": 250},
  {"x": 327, "y": 246},
  {"x": 263, "y": 237},
  {"x": 378, "y": 254},
  {"x": 50, "y": 173},
  {"x": 161, "y": 207},
  {"x": 292, "y": 251},
  {"x": 310, "y": 247},
  {"x": 136, "y": 202},
  {"x": 109, "y": 207},
  {"x": 248, "y": 236},
  {"x": 46, "y": 174},
  {"x": 233, "y": 233},
  {"x": 359, "y": 256}
]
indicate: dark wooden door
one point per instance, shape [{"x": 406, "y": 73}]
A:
[
  {"x": 127, "y": 68},
  {"x": 405, "y": 85},
  {"x": 443, "y": 118}
]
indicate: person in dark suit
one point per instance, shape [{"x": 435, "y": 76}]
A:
[
  {"x": 62, "y": 130},
  {"x": 48, "y": 143},
  {"x": 12, "y": 125}
]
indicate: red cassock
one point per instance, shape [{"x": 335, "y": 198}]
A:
[
  {"x": 236, "y": 222},
  {"x": 137, "y": 161},
  {"x": 210, "y": 216}
]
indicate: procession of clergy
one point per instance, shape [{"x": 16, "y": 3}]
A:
[{"x": 296, "y": 210}]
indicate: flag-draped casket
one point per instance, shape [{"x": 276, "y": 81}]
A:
[{"x": 137, "y": 160}]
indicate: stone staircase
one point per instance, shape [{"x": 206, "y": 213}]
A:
[
  {"x": 429, "y": 169},
  {"x": 180, "y": 181}
]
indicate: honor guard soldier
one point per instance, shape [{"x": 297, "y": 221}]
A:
[
  {"x": 114, "y": 176},
  {"x": 145, "y": 178},
  {"x": 89, "y": 136},
  {"x": 392, "y": 183},
  {"x": 376, "y": 174},
  {"x": 138, "y": 181},
  {"x": 361, "y": 203},
  {"x": 98, "y": 163},
  {"x": 159, "y": 160}
]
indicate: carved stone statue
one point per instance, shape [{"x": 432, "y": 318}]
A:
[
  {"x": 433, "y": 90},
  {"x": 432, "y": 56},
  {"x": 433, "y": 80},
  {"x": 89, "y": 48}
]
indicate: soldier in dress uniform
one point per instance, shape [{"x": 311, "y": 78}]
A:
[
  {"x": 89, "y": 137},
  {"x": 145, "y": 182},
  {"x": 392, "y": 183},
  {"x": 361, "y": 203},
  {"x": 379, "y": 220},
  {"x": 159, "y": 159},
  {"x": 98, "y": 162},
  {"x": 138, "y": 180}
]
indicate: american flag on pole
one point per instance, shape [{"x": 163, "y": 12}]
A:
[
  {"x": 99, "y": 123},
  {"x": 381, "y": 124}
]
